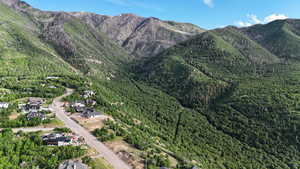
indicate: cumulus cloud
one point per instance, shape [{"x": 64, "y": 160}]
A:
[
  {"x": 253, "y": 19},
  {"x": 209, "y": 3},
  {"x": 274, "y": 17},
  {"x": 243, "y": 24}
]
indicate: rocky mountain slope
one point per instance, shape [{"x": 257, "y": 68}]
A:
[
  {"x": 77, "y": 43},
  {"x": 140, "y": 36}
]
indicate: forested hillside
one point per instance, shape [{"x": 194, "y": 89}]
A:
[
  {"x": 257, "y": 104},
  {"x": 22, "y": 51},
  {"x": 279, "y": 37}
]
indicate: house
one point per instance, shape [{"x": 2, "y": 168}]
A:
[
  {"x": 62, "y": 139},
  {"x": 90, "y": 102},
  {"x": 91, "y": 113},
  {"x": 55, "y": 139},
  {"x": 4, "y": 105},
  {"x": 88, "y": 94},
  {"x": 78, "y": 106},
  {"x": 80, "y": 109},
  {"x": 35, "y": 100},
  {"x": 70, "y": 164},
  {"x": 195, "y": 167},
  {"x": 34, "y": 104},
  {"x": 34, "y": 115}
]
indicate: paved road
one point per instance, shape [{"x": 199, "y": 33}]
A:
[{"x": 109, "y": 156}]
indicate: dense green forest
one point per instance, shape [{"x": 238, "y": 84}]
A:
[
  {"x": 257, "y": 105},
  {"x": 27, "y": 151}
]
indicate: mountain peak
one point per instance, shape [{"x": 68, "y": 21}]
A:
[
  {"x": 17, "y": 4},
  {"x": 139, "y": 35}
]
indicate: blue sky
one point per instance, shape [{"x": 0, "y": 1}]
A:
[{"x": 207, "y": 14}]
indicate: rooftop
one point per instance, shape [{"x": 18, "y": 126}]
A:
[
  {"x": 35, "y": 100},
  {"x": 70, "y": 164}
]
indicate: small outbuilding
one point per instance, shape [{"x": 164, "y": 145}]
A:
[{"x": 70, "y": 164}]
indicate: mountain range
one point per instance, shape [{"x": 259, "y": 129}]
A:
[{"x": 222, "y": 98}]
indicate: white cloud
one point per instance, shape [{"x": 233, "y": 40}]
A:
[
  {"x": 243, "y": 24},
  {"x": 253, "y": 19},
  {"x": 274, "y": 17},
  {"x": 209, "y": 3}
]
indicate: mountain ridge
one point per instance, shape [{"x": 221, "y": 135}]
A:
[
  {"x": 138, "y": 35},
  {"x": 133, "y": 30}
]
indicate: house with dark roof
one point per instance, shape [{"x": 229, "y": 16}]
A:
[
  {"x": 91, "y": 113},
  {"x": 35, "y": 115},
  {"x": 55, "y": 139},
  {"x": 70, "y": 164},
  {"x": 33, "y": 104}
]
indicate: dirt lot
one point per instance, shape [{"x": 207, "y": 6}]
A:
[
  {"x": 14, "y": 116},
  {"x": 90, "y": 124},
  {"x": 126, "y": 152}
]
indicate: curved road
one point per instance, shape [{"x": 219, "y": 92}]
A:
[{"x": 109, "y": 156}]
